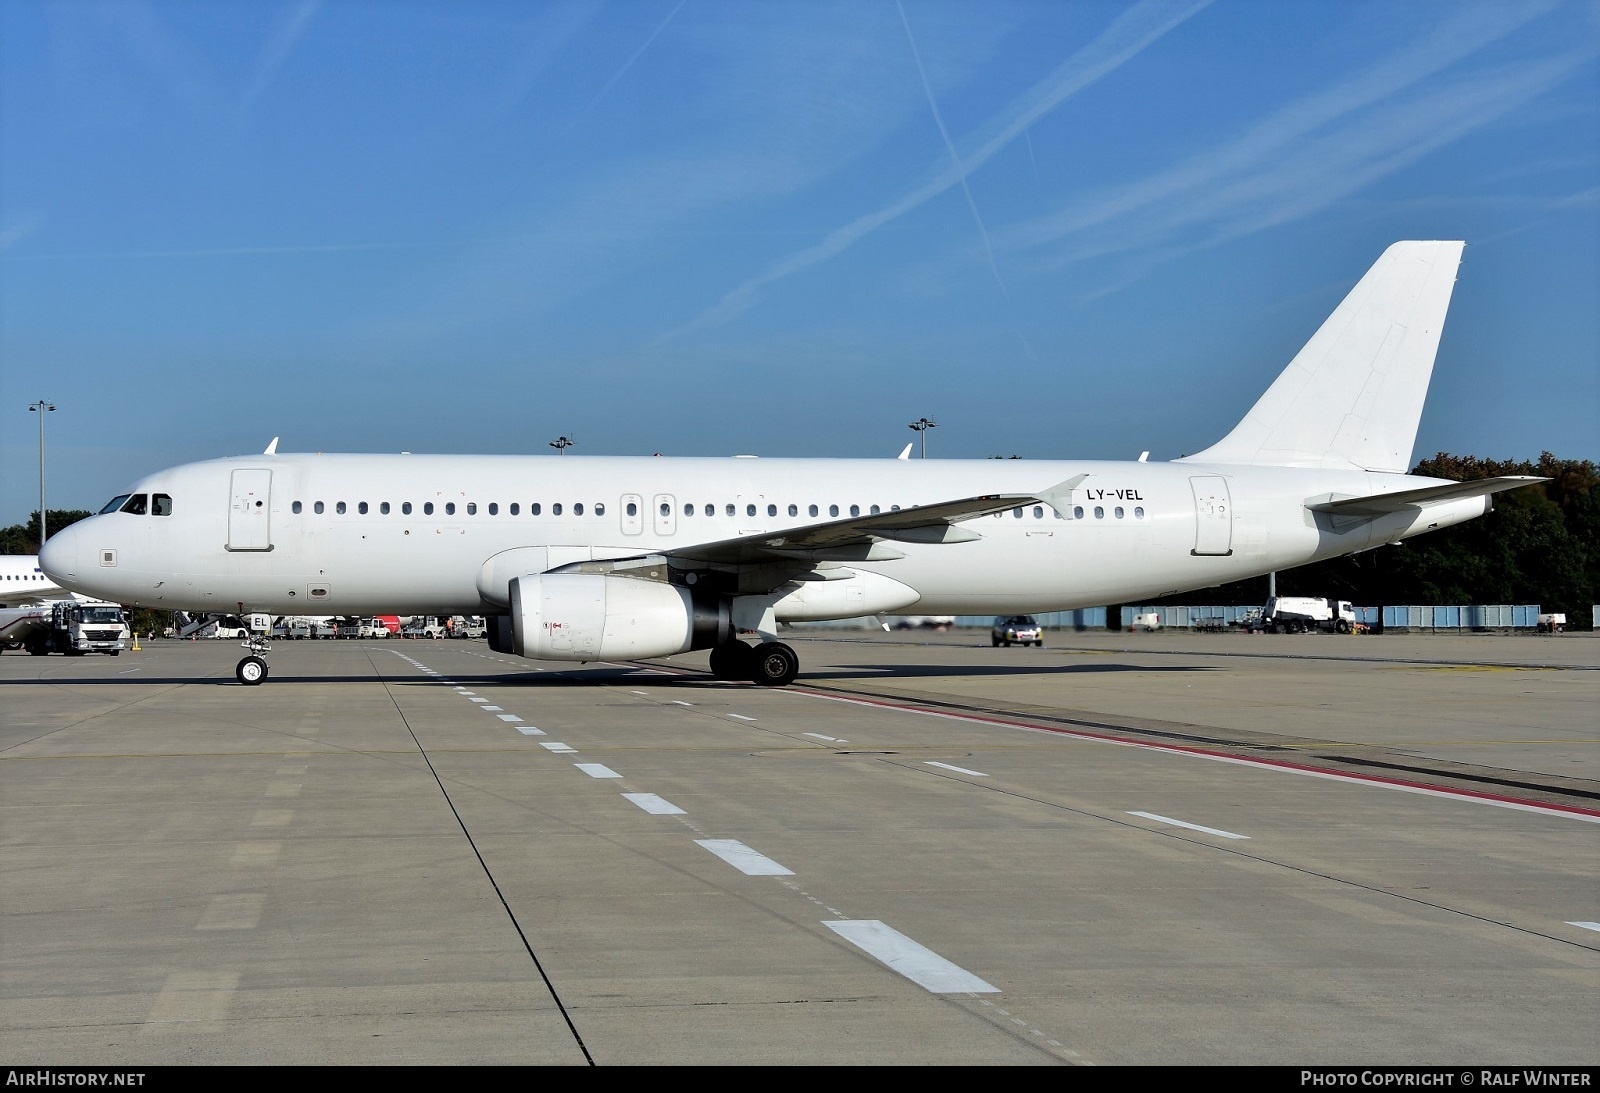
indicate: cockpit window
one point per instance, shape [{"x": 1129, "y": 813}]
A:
[
  {"x": 138, "y": 504},
  {"x": 115, "y": 503},
  {"x": 161, "y": 504}
]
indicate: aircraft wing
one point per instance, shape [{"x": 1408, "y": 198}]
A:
[
  {"x": 854, "y": 538},
  {"x": 1377, "y": 504}
]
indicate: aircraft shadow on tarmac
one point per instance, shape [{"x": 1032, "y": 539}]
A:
[{"x": 601, "y": 675}]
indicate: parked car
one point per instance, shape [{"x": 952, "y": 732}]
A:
[{"x": 1016, "y": 630}]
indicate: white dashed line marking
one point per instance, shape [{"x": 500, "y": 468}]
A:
[
  {"x": 654, "y": 805},
  {"x": 958, "y": 770},
  {"x": 819, "y": 736},
  {"x": 597, "y": 770},
  {"x": 918, "y": 963},
  {"x": 740, "y": 717},
  {"x": 1191, "y": 827},
  {"x": 745, "y": 860},
  {"x": 529, "y": 730},
  {"x": 557, "y": 746}
]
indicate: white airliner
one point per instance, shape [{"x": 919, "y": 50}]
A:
[
  {"x": 22, "y": 581},
  {"x": 616, "y": 558}
]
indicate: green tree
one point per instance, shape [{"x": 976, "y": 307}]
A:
[{"x": 24, "y": 538}]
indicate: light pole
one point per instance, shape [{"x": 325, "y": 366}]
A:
[
  {"x": 922, "y": 425},
  {"x": 561, "y": 444},
  {"x": 41, "y": 407}
]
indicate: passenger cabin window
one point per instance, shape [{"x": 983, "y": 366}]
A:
[
  {"x": 535, "y": 509},
  {"x": 138, "y": 504},
  {"x": 449, "y": 508},
  {"x": 405, "y": 507},
  {"x": 666, "y": 509},
  {"x": 1119, "y": 512},
  {"x": 339, "y": 508},
  {"x": 711, "y": 510},
  {"x": 361, "y": 507},
  {"x": 161, "y": 505},
  {"x": 1138, "y": 513},
  {"x": 794, "y": 510},
  {"x": 729, "y": 510},
  {"x": 1077, "y": 512},
  {"x": 633, "y": 509},
  {"x": 515, "y": 508},
  {"x": 472, "y": 508},
  {"x": 772, "y": 510},
  {"x": 494, "y": 508},
  {"x": 295, "y": 508},
  {"x": 599, "y": 508},
  {"x": 833, "y": 510},
  {"x": 318, "y": 507},
  {"x": 383, "y": 507},
  {"x": 577, "y": 509},
  {"x": 116, "y": 503},
  {"x": 555, "y": 509},
  {"x": 811, "y": 509}
]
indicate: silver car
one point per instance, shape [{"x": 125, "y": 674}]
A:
[{"x": 1016, "y": 630}]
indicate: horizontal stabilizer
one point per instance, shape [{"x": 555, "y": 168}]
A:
[{"x": 1377, "y": 504}]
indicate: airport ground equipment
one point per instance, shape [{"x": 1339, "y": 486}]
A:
[
  {"x": 1302, "y": 614},
  {"x": 73, "y": 627}
]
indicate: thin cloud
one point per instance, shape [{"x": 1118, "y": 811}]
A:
[
  {"x": 1360, "y": 122},
  {"x": 1128, "y": 35}
]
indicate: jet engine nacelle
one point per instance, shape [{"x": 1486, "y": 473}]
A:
[{"x": 593, "y": 616}]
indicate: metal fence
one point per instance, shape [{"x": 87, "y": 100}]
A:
[{"x": 1458, "y": 617}]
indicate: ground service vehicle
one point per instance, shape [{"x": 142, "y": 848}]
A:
[
  {"x": 1016, "y": 630},
  {"x": 76, "y": 627},
  {"x": 1301, "y": 614}
]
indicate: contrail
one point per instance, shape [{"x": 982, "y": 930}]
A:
[
  {"x": 1127, "y": 36},
  {"x": 955, "y": 157},
  {"x": 612, "y": 82}
]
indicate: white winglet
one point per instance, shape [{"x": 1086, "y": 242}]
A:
[
  {"x": 272, "y": 449},
  {"x": 905, "y": 452}
]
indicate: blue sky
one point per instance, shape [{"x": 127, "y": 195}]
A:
[{"x": 1060, "y": 230}]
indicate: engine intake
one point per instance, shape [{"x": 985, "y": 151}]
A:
[{"x": 591, "y": 616}]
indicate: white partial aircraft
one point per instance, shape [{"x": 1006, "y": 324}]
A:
[
  {"x": 22, "y": 581},
  {"x": 604, "y": 558}
]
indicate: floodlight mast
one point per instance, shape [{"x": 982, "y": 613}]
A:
[{"x": 42, "y": 407}]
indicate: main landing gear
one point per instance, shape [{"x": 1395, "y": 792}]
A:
[{"x": 771, "y": 664}]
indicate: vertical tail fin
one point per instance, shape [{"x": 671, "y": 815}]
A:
[{"x": 1352, "y": 397}]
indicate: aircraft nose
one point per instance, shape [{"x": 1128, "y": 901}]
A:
[{"x": 59, "y": 556}]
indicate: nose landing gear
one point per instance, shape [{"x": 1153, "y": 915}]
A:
[{"x": 252, "y": 670}]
